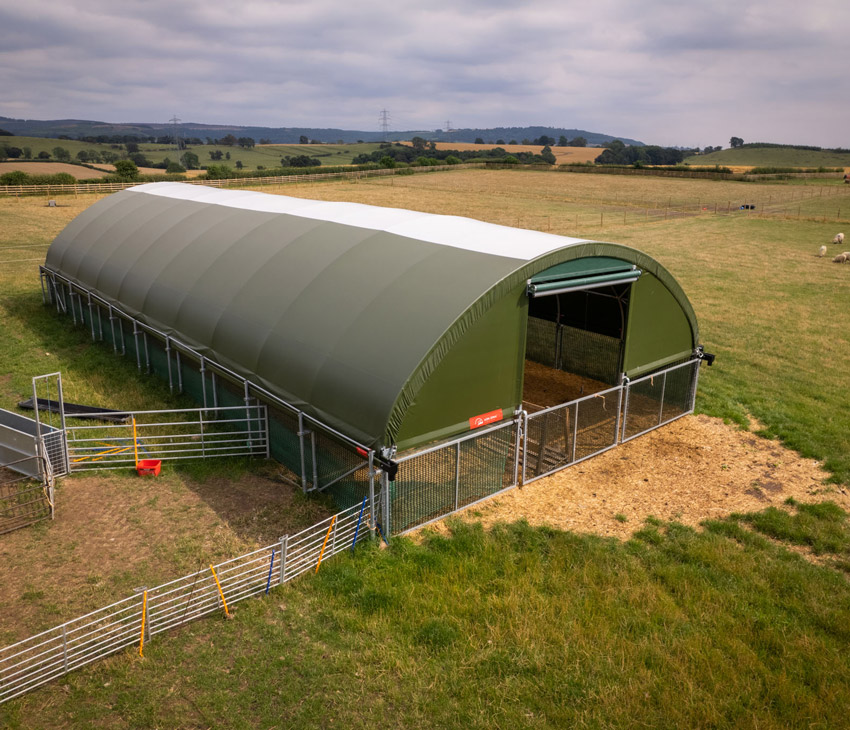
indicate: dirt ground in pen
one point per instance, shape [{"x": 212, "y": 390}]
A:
[
  {"x": 693, "y": 469},
  {"x": 113, "y": 534}
]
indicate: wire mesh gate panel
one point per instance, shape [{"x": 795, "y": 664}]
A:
[
  {"x": 24, "y": 500},
  {"x": 562, "y": 435},
  {"x": 438, "y": 481},
  {"x": 656, "y": 399}
]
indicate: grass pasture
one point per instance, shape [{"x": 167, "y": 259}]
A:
[
  {"x": 741, "y": 624},
  {"x": 772, "y": 157}
]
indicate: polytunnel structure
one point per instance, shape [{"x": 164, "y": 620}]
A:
[{"x": 384, "y": 331}]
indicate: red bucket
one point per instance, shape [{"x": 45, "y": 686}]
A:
[{"x": 149, "y": 467}]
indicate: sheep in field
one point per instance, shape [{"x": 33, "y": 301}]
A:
[
  {"x": 839, "y": 238},
  {"x": 842, "y": 258},
  {"x": 822, "y": 251}
]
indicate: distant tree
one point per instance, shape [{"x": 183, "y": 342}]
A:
[
  {"x": 108, "y": 156},
  {"x": 578, "y": 142},
  {"x": 126, "y": 170},
  {"x": 239, "y": 164},
  {"x": 478, "y": 140},
  {"x": 546, "y": 154},
  {"x": 268, "y": 141},
  {"x": 303, "y": 139},
  {"x": 418, "y": 144},
  {"x": 13, "y": 152},
  {"x": 526, "y": 141},
  {"x": 227, "y": 155},
  {"x": 432, "y": 146},
  {"x": 500, "y": 141},
  {"x": 15, "y": 177},
  {"x": 60, "y": 153},
  {"x": 510, "y": 160},
  {"x": 513, "y": 141},
  {"x": 132, "y": 147},
  {"x": 218, "y": 172},
  {"x": 216, "y": 154},
  {"x": 302, "y": 161},
  {"x": 83, "y": 156},
  {"x": 4, "y": 133},
  {"x": 174, "y": 167},
  {"x": 28, "y": 152},
  {"x": 544, "y": 140},
  {"x": 246, "y": 142},
  {"x": 229, "y": 140},
  {"x": 387, "y": 161},
  {"x": 44, "y": 155},
  {"x": 562, "y": 141},
  {"x": 452, "y": 160},
  {"x": 140, "y": 160},
  {"x": 191, "y": 161},
  {"x": 736, "y": 142}
]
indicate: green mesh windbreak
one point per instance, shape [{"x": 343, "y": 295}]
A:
[
  {"x": 590, "y": 354},
  {"x": 350, "y": 490},
  {"x": 443, "y": 480},
  {"x": 541, "y": 343},
  {"x": 283, "y": 439},
  {"x": 581, "y": 352}
]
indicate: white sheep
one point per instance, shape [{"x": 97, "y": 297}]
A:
[
  {"x": 841, "y": 258},
  {"x": 839, "y": 238},
  {"x": 822, "y": 251}
]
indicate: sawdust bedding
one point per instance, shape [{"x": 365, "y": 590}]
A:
[{"x": 693, "y": 469}]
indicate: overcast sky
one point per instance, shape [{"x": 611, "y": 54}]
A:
[{"x": 672, "y": 72}]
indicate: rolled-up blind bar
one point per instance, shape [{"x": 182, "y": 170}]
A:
[{"x": 588, "y": 282}]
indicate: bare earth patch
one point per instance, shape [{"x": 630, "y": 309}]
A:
[
  {"x": 113, "y": 534},
  {"x": 693, "y": 469}
]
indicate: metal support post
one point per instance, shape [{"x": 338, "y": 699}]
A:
[
  {"x": 147, "y": 353},
  {"x": 136, "y": 345},
  {"x": 168, "y": 360},
  {"x": 203, "y": 382},
  {"x": 457, "y": 475},
  {"x": 284, "y": 547},
  {"x": 661, "y": 403},
  {"x": 91, "y": 318},
  {"x": 372, "y": 492},
  {"x": 301, "y": 434},
  {"x": 387, "y": 516}
]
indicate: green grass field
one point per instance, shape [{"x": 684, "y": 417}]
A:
[
  {"x": 772, "y": 157},
  {"x": 724, "y": 627},
  {"x": 267, "y": 156}
]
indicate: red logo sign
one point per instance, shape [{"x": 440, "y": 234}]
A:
[{"x": 485, "y": 419}]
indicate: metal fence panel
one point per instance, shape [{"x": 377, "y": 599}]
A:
[
  {"x": 438, "y": 481},
  {"x": 562, "y": 435},
  {"x": 170, "y": 435},
  {"x": 658, "y": 398},
  {"x": 39, "y": 659}
]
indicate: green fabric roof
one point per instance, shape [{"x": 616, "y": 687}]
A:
[{"x": 343, "y": 310}]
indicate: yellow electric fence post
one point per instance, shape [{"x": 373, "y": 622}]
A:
[
  {"x": 220, "y": 592},
  {"x": 135, "y": 443},
  {"x": 144, "y": 615},
  {"x": 324, "y": 544}
]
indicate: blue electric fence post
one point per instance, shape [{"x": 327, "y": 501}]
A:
[
  {"x": 271, "y": 565},
  {"x": 357, "y": 529}
]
